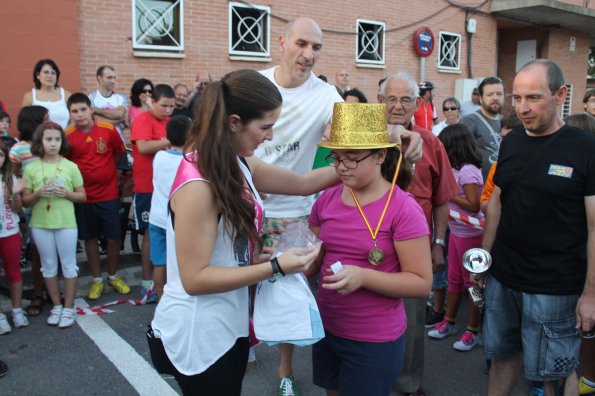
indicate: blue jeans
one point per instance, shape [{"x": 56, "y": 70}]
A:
[{"x": 540, "y": 326}]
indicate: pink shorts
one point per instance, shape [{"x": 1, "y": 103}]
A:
[{"x": 458, "y": 277}]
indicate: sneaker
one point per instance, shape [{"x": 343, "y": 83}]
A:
[
  {"x": 288, "y": 387},
  {"x": 442, "y": 330},
  {"x": 4, "y": 326},
  {"x": 55, "y": 314},
  {"x": 584, "y": 389},
  {"x": 95, "y": 290},
  {"x": 536, "y": 389},
  {"x": 68, "y": 318},
  {"x": 19, "y": 319},
  {"x": 148, "y": 294},
  {"x": 119, "y": 284},
  {"x": 467, "y": 342},
  {"x": 433, "y": 318}
]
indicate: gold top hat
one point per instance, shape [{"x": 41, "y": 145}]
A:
[{"x": 358, "y": 126}]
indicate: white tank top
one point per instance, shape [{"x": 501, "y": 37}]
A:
[
  {"x": 197, "y": 330},
  {"x": 57, "y": 110}
]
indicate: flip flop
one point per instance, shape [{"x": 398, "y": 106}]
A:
[{"x": 35, "y": 308}]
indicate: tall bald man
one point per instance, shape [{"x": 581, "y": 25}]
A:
[{"x": 305, "y": 114}]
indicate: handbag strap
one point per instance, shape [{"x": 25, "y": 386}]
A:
[
  {"x": 530, "y": 162},
  {"x": 495, "y": 136}
]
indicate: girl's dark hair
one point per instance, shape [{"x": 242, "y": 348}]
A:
[
  {"x": 39, "y": 65},
  {"x": 389, "y": 167},
  {"x": 37, "y": 142},
  {"x": 357, "y": 93},
  {"x": 28, "y": 119},
  {"x": 6, "y": 171},
  {"x": 583, "y": 121},
  {"x": 136, "y": 90},
  {"x": 461, "y": 146},
  {"x": 247, "y": 94}
]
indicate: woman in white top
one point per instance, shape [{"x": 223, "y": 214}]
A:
[
  {"x": 47, "y": 93},
  {"x": 212, "y": 229}
]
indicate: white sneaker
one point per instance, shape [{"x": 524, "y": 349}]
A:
[
  {"x": 467, "y": 342},
  {"x": 442, "y": 330},
  {"x": 55, "y": 314},
  {"x": 19, "y": 319},
  {"x": 4, "y": 326},
  {"x": 68, "y": 318}
]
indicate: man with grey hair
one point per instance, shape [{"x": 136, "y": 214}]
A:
[
  {"x": 305, "y": 115},
  {"x": 201, "y": 82},
  {"x": 433, "y": 186}
]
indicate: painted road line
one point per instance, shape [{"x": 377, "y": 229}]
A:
[{"x": 139, "y": 373}]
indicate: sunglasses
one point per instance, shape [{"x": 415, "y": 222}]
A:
[
  {"x": 146, "y": 91},
  {"x": 450, "y": 108}
]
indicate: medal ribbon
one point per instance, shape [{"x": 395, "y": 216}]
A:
[{"x": 374, "y": 234}]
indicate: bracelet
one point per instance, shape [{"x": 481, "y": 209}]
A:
[
  {"x": 440, "y": 242},
  {"x": 277, "y": 267}
]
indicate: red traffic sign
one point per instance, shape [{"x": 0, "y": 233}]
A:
[{"x": 423, "y": 40}]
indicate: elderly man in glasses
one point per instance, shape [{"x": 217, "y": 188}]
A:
[
  {"x": 433, "y": 185},
  {"x": 451, "y": 108},
  {"x": 485, "y": 122},
  {"x": 202, "y": 81}
]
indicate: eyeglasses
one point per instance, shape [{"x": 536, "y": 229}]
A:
[
  {"x": 404, "y": 100},
  {"x": 454, "y": 108},
  {"x": 147, "y": 91},
  {"x": 348, "y": 163},
  {"x": 203, "y": 84}
]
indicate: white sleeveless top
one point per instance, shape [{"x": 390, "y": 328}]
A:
[
  {"x": 57, "y": 110},
  {"x": 198, "y": 330}
]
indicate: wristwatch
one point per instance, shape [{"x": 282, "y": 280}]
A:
[
  {"x": 440, "y": 242},
  {"x": 277, "y": 271}
]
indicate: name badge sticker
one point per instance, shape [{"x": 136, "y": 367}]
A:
[{"x": 559, "y": 170}]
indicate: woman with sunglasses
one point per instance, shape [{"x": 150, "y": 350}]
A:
[
  {"x": 451, "y": 108},
  {"x": 140, "y": 98},
  {"x": 48, "y": 93}
]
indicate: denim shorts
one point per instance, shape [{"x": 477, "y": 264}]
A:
[
  {"x": 157, "y": 246},
  {"x": 440, "y": 280},
  {"x": 356, "y": 367},
  {"x": 540, "y": 326}
]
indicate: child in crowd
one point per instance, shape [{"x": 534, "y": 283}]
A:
[
  {"x": 96, "y": 147},
  {"x": 10, "y": 240},
  {"x": 380, "y": 235},
  {"x": 165, "y": 167},
  {"x": 148, "y": 137},
  {"x": 20, "y": 155},
  {"x": 509, "y": 122},
  {"x": 466, "y": 159},
  {"x": 53, "y": 183},
  {"x": 4, "y": 128}
]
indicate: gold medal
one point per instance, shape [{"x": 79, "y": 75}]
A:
[{"x": 375, "y": 256}]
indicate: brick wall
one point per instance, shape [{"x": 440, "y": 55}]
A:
[
  {"x": 553, "y": 44},
  {"x": 105, "y": 36}
]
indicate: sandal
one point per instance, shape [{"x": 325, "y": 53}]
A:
[{"x": 36, "y": 306}]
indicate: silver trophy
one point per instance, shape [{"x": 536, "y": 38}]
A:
[{"x": 477, "y": 261}]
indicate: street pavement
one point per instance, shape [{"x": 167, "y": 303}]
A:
[{"x": 108, "y": 355}]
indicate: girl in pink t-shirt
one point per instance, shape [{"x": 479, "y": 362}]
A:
[
  {"x": 466, "y": 159},
  {"x": 380, "y": 236}
]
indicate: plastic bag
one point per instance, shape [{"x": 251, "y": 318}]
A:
[{"x": 285, "y": 310}]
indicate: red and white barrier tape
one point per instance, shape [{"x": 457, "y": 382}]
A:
[
  {"x": 462, "y": 218},
  {"x": 99, "y": 309}
]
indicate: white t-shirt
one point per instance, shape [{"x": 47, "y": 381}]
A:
[
  {"x": 165, "y": 167},
  {"x": 436, "y": 129},
  {"x": 115, "y": 100},
  {"x": 305, "y": 113},
  {"x": 9, "y": 220},
  {"x": 468, "y": 107},
  {"x": 198, "y": 330}
]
